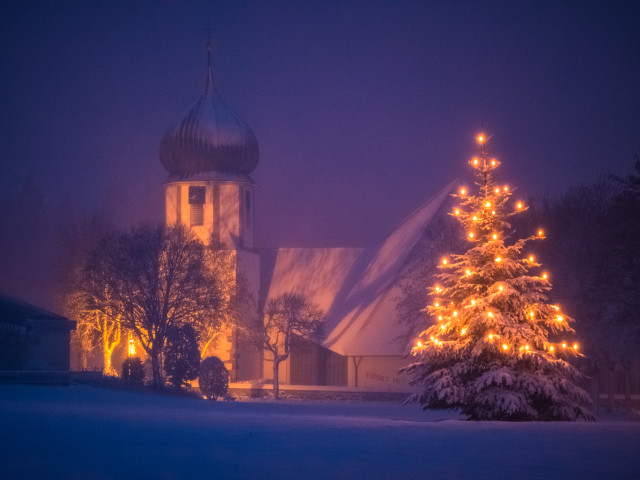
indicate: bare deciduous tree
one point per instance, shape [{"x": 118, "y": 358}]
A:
[
  {"x": 286, "y": 316},
  {"x": 160, "y": 278}
]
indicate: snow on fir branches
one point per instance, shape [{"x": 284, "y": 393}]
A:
[{"x": 488, "y": 352}]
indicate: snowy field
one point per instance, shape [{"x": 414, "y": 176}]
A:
[{"x": 82, "y": 432}]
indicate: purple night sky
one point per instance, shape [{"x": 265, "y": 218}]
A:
[{"x": 362, "y": 109}]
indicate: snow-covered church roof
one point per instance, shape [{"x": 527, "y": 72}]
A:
[{"x": 356, "y": 287}]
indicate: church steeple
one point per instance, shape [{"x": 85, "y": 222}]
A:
[{"x": 210, "y": 137}]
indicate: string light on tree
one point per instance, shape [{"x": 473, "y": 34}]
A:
[{"x": 459, "y": 365}]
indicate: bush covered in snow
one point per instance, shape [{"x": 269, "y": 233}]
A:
[{"x": 214, "y": 378}]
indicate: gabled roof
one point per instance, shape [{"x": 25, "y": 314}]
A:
[
  {"x": 17, "y": 312},
  {"x": 354, "y": 286}
]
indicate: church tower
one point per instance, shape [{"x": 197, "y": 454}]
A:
[{"x": 209, "y": 153}]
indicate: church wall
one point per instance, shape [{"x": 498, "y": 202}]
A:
[
  {"x": 378, "y": 372},
  {"x": 249, "y": 358},
  {"x": 230, "y": 215}
]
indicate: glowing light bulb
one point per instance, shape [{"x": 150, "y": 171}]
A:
[
  {"x": 551, "y": 349},
  {"x": 498, "y": 259},
  {"x": 475, "y": 161},
  {"x": 531, "y": 314},
  {"x": 531, "y": 258},
  {"x": 493, "y": 163},
  {"x": 473, "y": 302},
  {"x": 494, "y": 236},
  {"x": 497, "y": 190},
  {"x": 440, "y": 318},
  {"x": 488, "y": 204},
  {"x": 438, "y": 288},
  {"x": 419, "y": 343},
  {"x": 500, "y": 288},
  {"x": 480, "y": 138},
  {"x": 519, "y": 205},
  {"x": 540, "y": 233},
  {"x": 444, "y": 261},
  {"x": 455, "y": 314},
  {"x": 564, "y": 345},
  {"x": 526, "y": 347},
  {"x": 544, "y": 275},
  {"x": 493, "y": 212},
  {"x": 490, "y": 336},
  {"x": 471, "y": 235},
  {"x": 468, "y": 272},
  {"x": 475, "y": 219},
  {"x": 457, "y": 211},
  {"x": 437, "y": 304},
  {"x": 463, "y": 191},
  {"x": 559, "y": 318},
  {"x": 490, "y": 315},
  {"x": 442, "y": 327},
  {"x": 575, "y": 346},
  {"x": 431, "y": 338},
  {"x": 463, "y": 331},
  {"x": 506, "y": 189},
  {"x": 505, "y": 346}
]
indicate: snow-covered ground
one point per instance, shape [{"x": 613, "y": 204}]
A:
[{"x": 81, "y": 432}]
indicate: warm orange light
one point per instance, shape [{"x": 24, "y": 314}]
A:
[
  {"x": 531, "y": 258},
  {"x": 526, "y": 347},
  {"x": 500, "y": 288},
  {"x": 440, "y": 318},
  {"x": 475, "y": 161},
  {"x": 531, "y": 314},
  {"x": 493, "y": 212},
  {"x": 457, "y": 212},
  {"x": 488, "y": 204},
  {"x": 131, "y": 351},
  {"x": 444, "y": 261},
  {"x": 419, "y": 343},
  {"x": 498, "y": 259},
  {"x": 463, "y": 331},
  {"x": 437, "y": 304},
  {"x": 475, "y": 219},
  {"x": 575, "y": 346},
  {"x": 468, "y": 272},
  {"x": 471, "y": 235},
  {"x": 540, "y": 233},
  {"x": 480, "y": 138},
  {"x": 551, "y": 349},
  {"x": 544, "y": 275},
  {"x": 519, "y": 205},
  {"x": 463, "y": 191},
  {"x": 495, "y": 237},
  {"x": 438, "y": 288},
  {"x": 497, "y": 190},
  {"x": 559, "y": 318},
  {"x": 490, "y": 315},
  {"x": 473, "y": 302},
  {"x": 505, "y": 346},
  {"x": 506, "y": 189},
  {"x": 455, "y": 314},
  {"x": 564, "y": 345},
  {"x": 490, "y": 336},
  {"x": 493, "y": 163},
  {"x": 431, "y": 338},
  {"x": 442, "y": 327}
]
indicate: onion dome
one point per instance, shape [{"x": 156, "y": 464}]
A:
[{"x": 209, "y": 138}]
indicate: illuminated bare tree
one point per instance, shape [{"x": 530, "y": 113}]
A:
[
  {"x": 286, "y": 316},
  {"x": 160, "y": 278},
  {"x": 98, "y": 315}
]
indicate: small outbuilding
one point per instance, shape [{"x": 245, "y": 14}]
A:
[{"x": 34, "y": 344}]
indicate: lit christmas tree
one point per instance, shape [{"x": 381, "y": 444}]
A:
[{"x": 488, "y": 352}]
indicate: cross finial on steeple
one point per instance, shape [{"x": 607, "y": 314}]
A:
[{"x": 209, "y": 82}]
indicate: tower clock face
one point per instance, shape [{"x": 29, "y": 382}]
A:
[{"x": 196, "y": 195}]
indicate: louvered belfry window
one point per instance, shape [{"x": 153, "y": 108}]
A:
[{"x": 196, "y": 202}]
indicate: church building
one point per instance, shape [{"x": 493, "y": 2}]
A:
[{"x": 209, "y": 154}]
